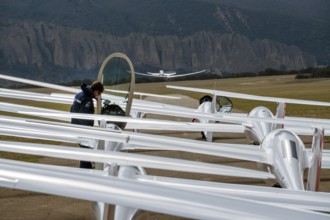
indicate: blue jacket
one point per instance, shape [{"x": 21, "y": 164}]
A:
[{"x": 83, "y": 103}]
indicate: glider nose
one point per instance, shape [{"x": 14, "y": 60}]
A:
[{"x": 286, "y": 160}]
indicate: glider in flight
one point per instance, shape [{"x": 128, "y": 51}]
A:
[{"x": 168, "y": 74}]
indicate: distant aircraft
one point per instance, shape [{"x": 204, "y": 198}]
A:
[{"x": 168, "y": 74}]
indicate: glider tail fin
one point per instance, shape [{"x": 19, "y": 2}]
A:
[
  {"x": 214, "y": 104},
  {"x": 313, "y": 178},
  {"x": 209, "y": 134},
  {"x": 280, "y": 113}
]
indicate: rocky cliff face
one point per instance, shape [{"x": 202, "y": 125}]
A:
[{"x": 42, "y": 45}]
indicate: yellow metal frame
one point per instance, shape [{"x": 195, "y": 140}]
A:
[{"x": 132, "y": 86}]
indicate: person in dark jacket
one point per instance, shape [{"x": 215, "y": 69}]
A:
[{"x": 83, "y": 103}]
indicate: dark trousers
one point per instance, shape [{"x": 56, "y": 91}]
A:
[{"x": 85, "y": 164}]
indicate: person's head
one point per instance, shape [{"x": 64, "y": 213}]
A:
[{"x": 97, "y": 88}]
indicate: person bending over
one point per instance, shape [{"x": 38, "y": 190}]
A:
[{"x": 83, "y": 103}]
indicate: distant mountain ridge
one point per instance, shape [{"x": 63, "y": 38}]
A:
[{"x": 218, "y": 35}]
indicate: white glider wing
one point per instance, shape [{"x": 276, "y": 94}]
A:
[
  {"x": 186, "y": 74},
  {"x": 237, "y": 151},
  {"x": 317, "y": 201},
  {"x": 146, "y": 74},
  {"x": 250, "y": 97},
  {"x": 83, "y": 184},
  {"x": 122, "y": 158}
]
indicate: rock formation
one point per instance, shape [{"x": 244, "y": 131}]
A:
[{"x": 43, "y": 44}]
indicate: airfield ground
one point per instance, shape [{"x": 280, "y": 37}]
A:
[{"x": 17, "y": 204}]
